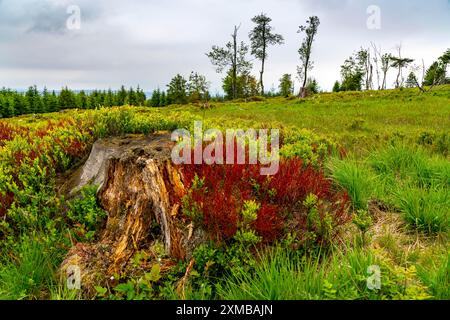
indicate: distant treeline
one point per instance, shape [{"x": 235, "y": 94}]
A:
[{"x": 14, "y": 103}]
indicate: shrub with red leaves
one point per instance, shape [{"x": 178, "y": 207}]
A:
[
  {"x": 224, "y": 189},
  {"x": 268, "y": 224},
  {"x": 7, "y": 132}
]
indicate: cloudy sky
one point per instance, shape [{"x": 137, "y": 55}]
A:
[{"x": 147, "y": 42}]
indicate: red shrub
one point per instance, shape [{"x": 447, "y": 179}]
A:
[
  {"x": 75, "y": 148},
  {"x": 5, "y": 202},
  {"x": 220, "y": 216},
  {"x": 7, "y": 132},
  {"x": 269, "y": 223},
  {"x": 225, "y": 188}
]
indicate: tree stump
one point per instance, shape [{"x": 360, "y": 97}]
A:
[{"x": 138, "y": 188}]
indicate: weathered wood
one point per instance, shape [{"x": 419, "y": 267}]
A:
[{"x": 139, "y": 187}]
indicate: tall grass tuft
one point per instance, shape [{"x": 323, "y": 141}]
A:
[
  {"x": 356, "y": 179},
  {"x": 437, "y": 277},
  {"x": 28, "y": 273},
  {"x": 426, "y": 210}
]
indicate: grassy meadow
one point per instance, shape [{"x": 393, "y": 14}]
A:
[{"x": 387, "y": 150}]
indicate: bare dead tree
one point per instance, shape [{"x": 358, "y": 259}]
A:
[
  {"x": 376, "y": 56},
  {"x": 364, "y": 60},
  {"x": 385, "y": 65},
  {"x": 420, "y": 84},
  {"x": 232, "y": 56}
]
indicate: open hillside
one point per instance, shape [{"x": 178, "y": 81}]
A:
[{"x": 363, "y": 189}]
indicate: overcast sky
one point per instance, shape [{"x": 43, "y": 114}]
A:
[{"x": 147, "y": 42}]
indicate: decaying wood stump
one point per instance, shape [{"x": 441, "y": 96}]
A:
[{"x": 138, "y": 188}]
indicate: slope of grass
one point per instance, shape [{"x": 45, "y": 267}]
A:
[{"x": 391, "y": 146}]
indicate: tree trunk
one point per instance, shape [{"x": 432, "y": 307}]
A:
[
  {"x": 263, "y": 59},
  {"x": 397, "y": 83},
  {"x": 383, "y": 85},
  {"x": 140, "y": 190},
  {"x": 234, "y": 67},
  {"x": 303, "y": 92}
]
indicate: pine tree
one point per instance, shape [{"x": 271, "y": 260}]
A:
[
  {"x": 53, "y": 103},
  {"x": 140, "y": 97},
  {"x": 336, "y": 87},
  {"x": 411, "y": 81},
  {"x": 38, "y": 103},
  {"x": 286, "y": 85},
  {"x": 163, "y": 99},
  {"x": 67, "y": 99},
  {"x": 131, "y": 98},
  {"x": 45, "y": 99},
  {"x": 156, "y": 98},
  {"x": 11, "y": 109},
  {"x": 121, "y": 96},
  {"x": 31, "y": 92},
  {"x": 176, "y": 91},
  {"x": 3, "y": 111},
  {"x": 83, "y": 100},
  {"x": 20, "y": 104}
]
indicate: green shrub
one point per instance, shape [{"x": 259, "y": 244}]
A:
[{"x": 85, "y": 213}]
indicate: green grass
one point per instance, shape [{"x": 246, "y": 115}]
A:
[
  {"x": 388, "y": 145},
  {"x": 405, "y": 177},
  {"x": 426, "y": 210},
  {"x": 437, "y": 277},
  {"x": 283, "y": 275},
  {"x": 28, "y": 271},
  {"x": 355, "y": 178},
  {"x": 382, "y": 114}
]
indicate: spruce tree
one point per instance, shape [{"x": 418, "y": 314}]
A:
[
  {"x": 156, "y": 98},
  {"x": 121, "y": 96}
]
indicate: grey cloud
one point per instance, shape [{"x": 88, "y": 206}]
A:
[{"x": 147, "y": 42}]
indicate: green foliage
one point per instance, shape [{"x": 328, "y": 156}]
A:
[
  {"x": 435, "y": 74},
  {"x": 85, "y": 213},
  {"x": 176, "y": 90},
  {"x": 352, "y": 75},
  {"x": 436, "y": 275},
  {"x": 155, "y": 100},
  {"x": 286, "y": 85},
  {"x": 140, "y": 288},
  {"x": 246, "y": 86},
  {"x": 13, "y": 103},
  {"x": 312, "y": 87},
  {"x": 245, "y": 234},
  {"x": 261, "y": 37},
  {"x": 29, "y": 272},
  {"x": 336, "y": 86},
  {"x": 285, "y": 275},
  {"x": 439, "y": 143},
  {"x": 197, "y": 88},
  {"x": 427, "y": 210},
  {"x": 307, "y": 145},
  {"x": 362, "y": 220},
  {"x": 356, "y": 179}
]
